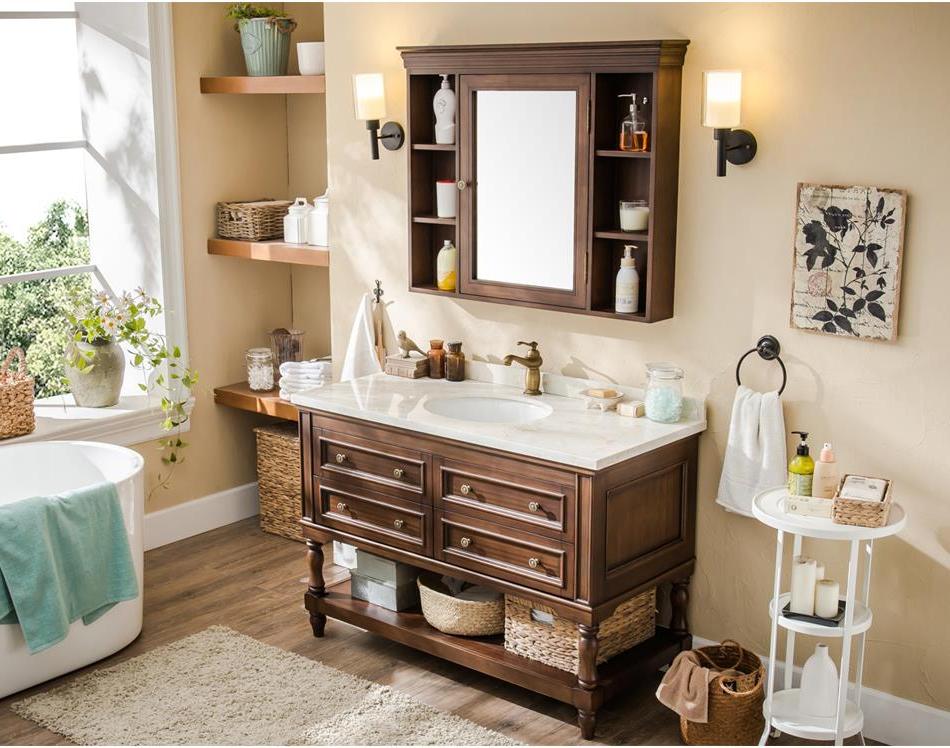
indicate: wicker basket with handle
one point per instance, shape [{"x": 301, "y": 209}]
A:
[
  {"x": 735, "y": 698},
  {"x": 536, "y": 632},
  {"x": 278, "y": 479},
  {"x": 16, "y": 397},
  {"x": 453, "y": 615},
  {"x": 254, "y": 221}
]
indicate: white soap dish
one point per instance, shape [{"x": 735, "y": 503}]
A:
[{"x": 603, "y": 403}]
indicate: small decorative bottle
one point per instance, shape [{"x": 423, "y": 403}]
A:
[
  {"x": 295, "y": 222},
  {"x": 443, "y": 104},
  {"x": 436, "y": 360},
  {"x": 633, "y": 129},
  {"x": 455, "y": 362},
  {"x": 445, "y": 264}
]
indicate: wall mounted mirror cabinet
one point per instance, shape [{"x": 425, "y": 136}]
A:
[{"x": 549, "y": 141}]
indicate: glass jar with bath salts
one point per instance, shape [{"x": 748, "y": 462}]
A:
[
  {"x": 260, "y": 369},
  {"x": 663, "y": 401}
]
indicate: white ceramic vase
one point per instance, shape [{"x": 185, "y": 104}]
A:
[{"x": 818, "y": 695}]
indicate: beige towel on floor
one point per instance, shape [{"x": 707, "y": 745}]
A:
[{"x": 685, "y": 687}]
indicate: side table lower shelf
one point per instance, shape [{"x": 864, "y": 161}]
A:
[{"x": 787, "y": 718}]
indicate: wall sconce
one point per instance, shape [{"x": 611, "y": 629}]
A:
[
  {"x": 369, "y": 99},
  {"x": 722, "y": 100}
]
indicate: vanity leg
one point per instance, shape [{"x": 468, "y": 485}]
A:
[
  {"x": 315, "y": 585},
  {"x": 587, "y": 676},
  {"x": 679, "y": 600}
]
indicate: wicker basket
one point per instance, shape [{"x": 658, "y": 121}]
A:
[
  {"x": 254, "y": 221},
  {"x": 735, "y": 701},
  {"x": 847, "y": 511},
  {"x": 547, "y": 638},
  {"x": 450, "y": 615},
  {"x": 16, "y": 397},
  {"x": 278, "y": 479}
]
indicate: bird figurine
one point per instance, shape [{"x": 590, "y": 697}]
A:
[{"x": 407, "y": 345}]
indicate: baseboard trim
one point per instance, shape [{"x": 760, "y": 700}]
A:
[
  {"x": 887, "y": 718},
  {"x": 200, "y": 515}
]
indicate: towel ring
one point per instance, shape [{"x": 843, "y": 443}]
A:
[{"x": 768, "y": 348}]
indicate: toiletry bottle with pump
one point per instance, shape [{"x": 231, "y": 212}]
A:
[
  {"x": 633, "y": 129},
  {"x": 445, "y": 263},
  {"x": 801, "y": 469},
  {"x": 627, "y": 293},
  {"x": 443, "y": 104},
  {"x": 825, "y": 481}
]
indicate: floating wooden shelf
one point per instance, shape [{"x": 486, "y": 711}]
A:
[
  {"x": 431, "y": 288},
  {"x": 606, "y": 153},
  {"x": 637, "y": 317},
  {"x": 242, "y": 397},
  {"x": 264, "y": 84},
  {"x": 433, "y": 147},
  {"x": 434, "y": 219},
  {"x": 636, "y": 236},
  {"x": 298, "y": 254}
]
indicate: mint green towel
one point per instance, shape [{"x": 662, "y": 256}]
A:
[{"x": 62, "y": 558}]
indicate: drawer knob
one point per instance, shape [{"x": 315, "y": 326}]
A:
[
  {"x": 465, "y": 489},
  {"x": 341, "y": 507},
  {"x": 534, "y": 506},
  {"x": 534, "y": 563},
  {"x": 398, "y": 524},
  {"x": 340, "y": 458},
  {"x": 465, "y": 542},
  {"x": 398, "y": 473}
]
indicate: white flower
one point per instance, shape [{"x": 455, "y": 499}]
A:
[{"x": 110, "y": 324}]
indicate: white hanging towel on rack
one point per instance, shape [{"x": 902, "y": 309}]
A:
[
  {"x": 755, "y": 452},
  {"x": 360, "y": 359}
]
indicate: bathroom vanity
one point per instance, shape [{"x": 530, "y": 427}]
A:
[{"x": 537, "y": 497}]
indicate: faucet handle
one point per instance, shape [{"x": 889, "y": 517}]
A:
[{"x": 533, "y": 344}]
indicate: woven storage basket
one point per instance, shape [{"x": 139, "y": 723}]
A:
[
  {"x": 278, "y": 479},
  {"x": 556, "y": 643},
  {"x": 847, "y": 511},
  {"x": 254, "y": 221},
  {"x": 735, "y": 701},
  {"x": 450, "y": 615},
  {"x": 16, "y": 397}
]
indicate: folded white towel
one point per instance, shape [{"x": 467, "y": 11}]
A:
[
  {"x": 755, "y": 451},
  {"x": 297, "y": 379},
  {"x": 286, "y": 392},
  {"x": 306, "y": 367},
  {"x": 360, "y": 359}
]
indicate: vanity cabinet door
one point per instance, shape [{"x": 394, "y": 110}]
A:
[{"x": 523, "y": 178}]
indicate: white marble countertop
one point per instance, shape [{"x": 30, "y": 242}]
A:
[{"x": 571, "y": 435}]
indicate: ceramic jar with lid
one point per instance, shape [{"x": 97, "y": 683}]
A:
[
  {"x": 260, "y": 369},
  {"x": 663, "y": 401},
  {"x": 295, "y": 222}
]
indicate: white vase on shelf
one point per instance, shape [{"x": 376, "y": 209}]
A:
[{"x": 818, "y": 695}]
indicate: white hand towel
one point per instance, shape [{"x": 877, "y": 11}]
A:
[
  {"x": 297, "y": 379},
  {"x": 755, "y": 452},
  {"x": 360, "y": 359},
  {"x": 306, "y": 367}
]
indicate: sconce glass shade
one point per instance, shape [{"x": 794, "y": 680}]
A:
[
  {"x": 722, "y": 98},
  {"x": 369, "y": 96}
]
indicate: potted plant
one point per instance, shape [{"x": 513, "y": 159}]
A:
[
  {"x": 95, "y": 362},
  {"x": 265, "y": 37}
]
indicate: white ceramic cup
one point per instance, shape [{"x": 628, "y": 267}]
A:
[
  {"x": 311, "y": 58},
  {"x": 446, "y": 198}
]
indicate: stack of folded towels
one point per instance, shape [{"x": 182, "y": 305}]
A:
[{"x": 297, "y": 376}]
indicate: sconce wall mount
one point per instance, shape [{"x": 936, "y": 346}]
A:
[
  {"x": 735, "y": 146},
  {"x": 391, "y": 135}
]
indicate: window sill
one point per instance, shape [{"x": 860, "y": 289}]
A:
[{"x": 133, "y": 420}]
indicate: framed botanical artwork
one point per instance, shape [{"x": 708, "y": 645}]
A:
[{"x": 847, "y": 266}]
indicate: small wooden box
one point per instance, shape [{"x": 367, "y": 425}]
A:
[
  {"x": 413, "y": 367},
  {"x": 860, "y": 512}
]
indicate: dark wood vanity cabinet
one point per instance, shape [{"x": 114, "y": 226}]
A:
[
  {"x": 572, "y": 142},
  {"x": 578, "y": 541}
]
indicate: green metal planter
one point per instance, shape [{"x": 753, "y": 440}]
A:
[{"x": 266, "y": 44}]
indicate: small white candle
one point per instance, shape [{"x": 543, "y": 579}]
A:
[
  {"x": 803, "y": 586},
  {"x": 826, "y": 598}
]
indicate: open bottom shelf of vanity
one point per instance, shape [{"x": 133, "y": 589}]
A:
[{"x": 488, "y": 654}]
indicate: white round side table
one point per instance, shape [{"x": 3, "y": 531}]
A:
[{"x": 781, "y": 707}]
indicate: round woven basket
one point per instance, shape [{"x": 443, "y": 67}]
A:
[
  {"x": 450, "y": 615},
  {"x": 735, "y": 698},
  {"x": 16, "y": 397}
]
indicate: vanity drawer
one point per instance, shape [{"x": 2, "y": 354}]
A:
[
  {"x": 530, "y": 560},
  {"x": 517, "y": 500},
  {"x": 399, "y": 524},
  {"x": 344, "y": 456}
]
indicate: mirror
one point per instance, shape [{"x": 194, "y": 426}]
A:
[{"x": 525, "y": 146}]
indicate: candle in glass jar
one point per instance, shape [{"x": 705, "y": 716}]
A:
[
  {"x": 634, "y": 215},
  {"x": 826, "y": 598},
  {"x": 803, "y": 586}
]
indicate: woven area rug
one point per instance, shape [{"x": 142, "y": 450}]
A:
[{"x": 219, "y": 687}]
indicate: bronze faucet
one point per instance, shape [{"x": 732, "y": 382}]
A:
[{"x": 532, "y": 363}]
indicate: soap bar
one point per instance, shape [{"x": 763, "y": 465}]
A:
[
  {"x": 863, "y": 489},
  {"x": 601, "y": 392},
  {"x": 633, "y": 409}
]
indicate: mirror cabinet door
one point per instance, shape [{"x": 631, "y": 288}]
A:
[{"x": 523, "y": 179}]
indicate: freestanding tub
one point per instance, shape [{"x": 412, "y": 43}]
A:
[{"x": 42, "y": 468}]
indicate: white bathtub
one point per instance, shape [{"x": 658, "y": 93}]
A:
[{"x": 42, "y": 468}]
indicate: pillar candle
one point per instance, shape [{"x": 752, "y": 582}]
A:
[
  {"x": 803, "y": 586},
  {"x": 826, "y": 598},
  {"x": 819, "y": 570}
]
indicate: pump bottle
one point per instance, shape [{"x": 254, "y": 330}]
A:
[
  {"x": 627, "y": 291},
  {"x": 801, "y": 469},
  {"x": 826, "y": 477},
  {"x": 633, "y": 129}
]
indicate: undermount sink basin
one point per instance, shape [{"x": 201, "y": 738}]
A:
[{"x": 488, "y": 409}]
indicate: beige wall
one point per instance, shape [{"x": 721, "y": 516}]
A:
[{"x": 837, "y": 94}]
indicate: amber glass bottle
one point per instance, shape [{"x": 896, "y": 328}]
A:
[
  {"x": 455, "y": 362},
  {"x": 436, "y": 359}
]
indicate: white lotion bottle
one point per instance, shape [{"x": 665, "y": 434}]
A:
[
  {"x": 627, "y": 293},
  {"x": 443, "y": 104},
  {"x": 824, "y": 482}
]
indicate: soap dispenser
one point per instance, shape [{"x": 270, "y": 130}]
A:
[
  {"x": 801, "y": 469},
  {"x": 443, "y": 104},
  {"x": 633, "y": 129},
  {"x": 627, "y": 293}
]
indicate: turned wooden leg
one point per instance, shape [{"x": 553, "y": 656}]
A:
[
  {"x": 315, "y": 585},
  {"x": 587, "y": 675},
  {"x": 679, "y": 600}
]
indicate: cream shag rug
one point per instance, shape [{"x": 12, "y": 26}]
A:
[{"x": 219, "y": 687}]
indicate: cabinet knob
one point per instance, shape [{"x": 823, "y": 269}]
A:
[
  {"x": 465, "y": 489},
  {"x": 398, "y": 524},
  {"x": 341, "y": 507},
  {"x": 398, "y": 473},
  {"x": 465, "y": 542},
  {"x": 534, "y": 506},
  {"x": 534, "y": 563},
  {"x": 340, "y": 458},
  {"x": 461, "y": 184}
]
